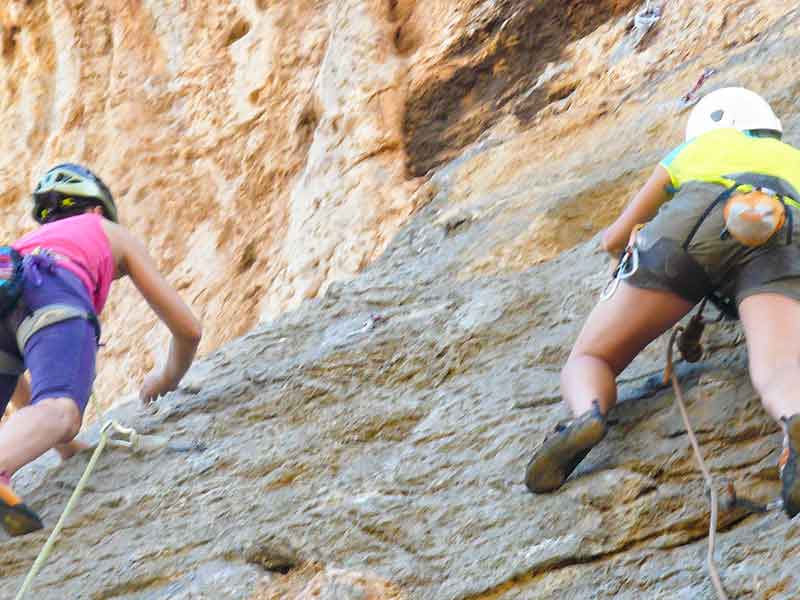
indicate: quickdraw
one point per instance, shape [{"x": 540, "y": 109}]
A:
[{"x": 688, "y": 97}]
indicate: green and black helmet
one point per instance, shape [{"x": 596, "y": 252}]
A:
[{"x": 69, "y": 189}]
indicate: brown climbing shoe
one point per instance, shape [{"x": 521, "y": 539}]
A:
[
  {"x": 16, "y": 518},
  {"x": 563, "y": 450},
  {"x": 789, "y": 464}
]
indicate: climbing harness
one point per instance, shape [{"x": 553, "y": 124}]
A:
[
  {"x": 780, "y": 193},
  {"x": 12, "y": 364},
  {"x": 781, "y": 190},
  {"x": 50, "y": 315},
  {"x": 41, "y": 258},
  {"x": 130, "y": 440}
]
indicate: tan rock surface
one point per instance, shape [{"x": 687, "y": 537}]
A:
[
  {"x": 331, "y": 584},
  {"x": 377, "y": 435},
  {"x": 264, "y": 150},
  {"x": 256, "y": 148}
]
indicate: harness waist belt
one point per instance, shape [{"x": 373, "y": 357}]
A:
[
  {"x": 50, "y": 315},
  {"x": 12, "y": 364}
]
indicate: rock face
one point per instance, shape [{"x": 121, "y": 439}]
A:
[{"x": 371, "y": 442}]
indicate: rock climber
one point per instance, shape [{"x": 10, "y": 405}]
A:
[
  {"x": 719, "y": 214},
  {"x": 65, "y": 268}
]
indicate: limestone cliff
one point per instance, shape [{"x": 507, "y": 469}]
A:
[{"x": 430, "y": 178}]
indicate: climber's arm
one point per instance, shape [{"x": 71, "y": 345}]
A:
[
  {"x": 640, "y": 209},
  {"x": 135, "y": 261}
]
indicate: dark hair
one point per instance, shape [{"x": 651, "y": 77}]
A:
[{"x": 58, "y": 212}]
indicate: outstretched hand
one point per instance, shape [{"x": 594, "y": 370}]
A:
[{"x": 154, "y": 385}]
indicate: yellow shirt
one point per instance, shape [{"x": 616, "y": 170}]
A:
[{"x": 711, "y": 156}]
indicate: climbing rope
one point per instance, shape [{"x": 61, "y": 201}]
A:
[
  {"x": 134, "y": 442},
  {"x": 669, "y": 374}
]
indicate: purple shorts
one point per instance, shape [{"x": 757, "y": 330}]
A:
[{"x": 61, "y": 356}]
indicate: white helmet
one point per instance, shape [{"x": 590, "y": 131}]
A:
[{"x": 735, "y": 107}]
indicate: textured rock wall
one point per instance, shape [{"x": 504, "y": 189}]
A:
[
  {"x": 257, "y": 147},
  {"x": 371, "y": 443},
  {"x": 266, "y": 149}
]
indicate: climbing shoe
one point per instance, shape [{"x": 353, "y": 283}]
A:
[
  {"x": 17, "y": 519},
  {"x": 563, "y": 449},
  {"x": 789, "y": 464}
]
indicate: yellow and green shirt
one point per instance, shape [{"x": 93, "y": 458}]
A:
[{"x": 728, "y": 151}]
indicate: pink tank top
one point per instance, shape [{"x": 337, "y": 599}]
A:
[{"x": 82, "y": 247}]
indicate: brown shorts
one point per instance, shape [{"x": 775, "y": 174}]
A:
[{"x": 730, "y": 268}]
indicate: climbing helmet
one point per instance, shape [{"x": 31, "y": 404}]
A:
[
  {"x": 735, "y": 107},
  {"x": 68, "y": 189}
]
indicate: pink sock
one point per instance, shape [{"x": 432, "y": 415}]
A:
[{"x": 5, "y": 478}]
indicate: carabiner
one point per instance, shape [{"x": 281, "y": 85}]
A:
[
  {"x": 622, "y": 271},
  {"x": 633, "y": 253}
]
